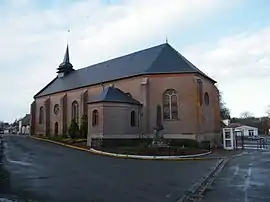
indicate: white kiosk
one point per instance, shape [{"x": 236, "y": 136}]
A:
[
  {"x": 229, "y": 138},
  {"x": 229, "y": 142}
]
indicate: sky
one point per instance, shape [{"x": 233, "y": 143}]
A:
[{"x": 228, "y": 40}]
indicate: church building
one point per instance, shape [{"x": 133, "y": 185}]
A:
[{"x": 120, "y": 98}]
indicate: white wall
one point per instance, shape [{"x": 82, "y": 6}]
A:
[{"x": 246, "y": 130}]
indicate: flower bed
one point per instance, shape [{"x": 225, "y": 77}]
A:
[
  {"x": 133, "y": 150},
  {"x": 154, "y": 151}
]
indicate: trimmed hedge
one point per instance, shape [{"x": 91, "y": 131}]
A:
[{"x": 188, "y": 143}]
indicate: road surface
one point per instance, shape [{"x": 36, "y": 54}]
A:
[
  {"x": 244, "y": 179},
  {"x": 44, "y": 171}
]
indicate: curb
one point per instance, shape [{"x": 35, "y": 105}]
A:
[
  {"x": 170, "y": 158},
  {"x": 60, "y": 143},
  {"x": 126, "y": 156},
  {"x": 196, "y": 191}
]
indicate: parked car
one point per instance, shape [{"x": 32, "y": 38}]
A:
[{"x": 1, "y": 131}]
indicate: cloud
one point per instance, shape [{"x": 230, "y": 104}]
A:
[
  {"x": 34, "y": 37},
  {"x": 241, "y": 65}
]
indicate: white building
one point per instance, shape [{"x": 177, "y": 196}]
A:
[
  {"x": 234, "y": 130},
  {"x": 248, "y": 131},
  {"x": 24, "y": 125}
]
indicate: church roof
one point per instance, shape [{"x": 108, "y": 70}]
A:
[
  {"x": 161, "y": 59},
  {"x": 112, "y": 94}
]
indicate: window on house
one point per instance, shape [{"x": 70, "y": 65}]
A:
[
  {"x": 170, "y": 105},
  {"x": 251, "y": 132},
  {"x": 41, "y": 115},
  {"x": 95, "y": 118},
  {"x": 133, "y": 119},
  {"x": 206, "y": 98},
  {"x": 75, "y": 111}
]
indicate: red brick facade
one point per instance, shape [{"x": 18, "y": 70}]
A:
[{"x": 195, "y": 120}]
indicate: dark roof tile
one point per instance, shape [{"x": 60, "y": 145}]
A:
[
  {"x": 155, "y": 60},
  {"x": 112, "y": 94}
]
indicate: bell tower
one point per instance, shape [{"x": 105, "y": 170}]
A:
[{"x": 65, "y": 67}]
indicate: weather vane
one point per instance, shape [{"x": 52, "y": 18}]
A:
[{"x": 68, "y": 34}]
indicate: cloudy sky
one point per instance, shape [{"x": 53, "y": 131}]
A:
[{"x": 227, "y": 39}]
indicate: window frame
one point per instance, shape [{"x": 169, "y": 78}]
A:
[
  {"x": 75, "y": 111},
  {"x": 95, "y": 117},
  {"x": 206, "y": 99},
  {"x": 168, "y": 95},
  {"x": 56, "y": 109},
  {"x": 41, "y": 115},
  {"x": 133, "y": 118}
]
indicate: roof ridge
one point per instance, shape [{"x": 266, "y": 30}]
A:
[
  {"x": 165, "y": 44},
  {"x": 131, "y": 53}
]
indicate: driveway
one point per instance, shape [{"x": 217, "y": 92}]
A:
[
  {"x": 44, "y": 171},
  {"x": 245, "y": 178}
]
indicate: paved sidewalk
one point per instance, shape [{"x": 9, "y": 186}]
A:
[
  {"x": 245, "y": 178},
  {"x": 221, "y": 153}
]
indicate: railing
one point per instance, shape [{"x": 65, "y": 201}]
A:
[{"x": 1, "y": 148}]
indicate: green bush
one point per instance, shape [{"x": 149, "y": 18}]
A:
[
  {"x": 73, "y": 129},
  {"x": 56, "y": 138},
  {"x": 84, "y": 126},
  {"x": 189, "y": 143}
]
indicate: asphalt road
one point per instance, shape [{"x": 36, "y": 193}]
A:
[
  {"x": 244, "y": 179},
  {"x": 44, "y": 171}
]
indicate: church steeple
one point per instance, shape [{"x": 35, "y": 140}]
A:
[{"x": 65, "y": 67}]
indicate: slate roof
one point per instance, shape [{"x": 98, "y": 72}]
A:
[
  {"x": 112, "y": 94},
  {"x": 233, "y": 125},
  {"x": 26, "y": 120},
  {"x": 160, "y": 59},
  {"x": 65, "y": 66}
]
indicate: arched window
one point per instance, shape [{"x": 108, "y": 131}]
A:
[
  {"x": 75, "y": 111},
  {"x": 133, "y": 119},
  {"x": 95, "y": 117},
  {"x": 170, "y": 105},
  {"x": 41, "y": 115},
  {"x": 56, "y": 128},
  {"x": 206, "y": 98}
]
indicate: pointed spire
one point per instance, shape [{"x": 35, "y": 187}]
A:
[
  {"x": 65, "y": 66},
  {"x": 166, "y": 39},
  {"x": 66, "y": 57}
]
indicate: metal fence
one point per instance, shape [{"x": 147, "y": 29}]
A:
[
  {"x": 1, "y": 148},
  {"x": 249, "y": 143}
]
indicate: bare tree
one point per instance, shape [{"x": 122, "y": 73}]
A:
[
  {"x": 246, "y": 114},
  {"x": 224, "y": 110},
  {"x": 268, "y": 111}
]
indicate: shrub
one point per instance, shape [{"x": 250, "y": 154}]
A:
[
  {"x": 73, "y": 129},
  {"x": 84, "y": 126},
  {"x": 184, "y": 142}
]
